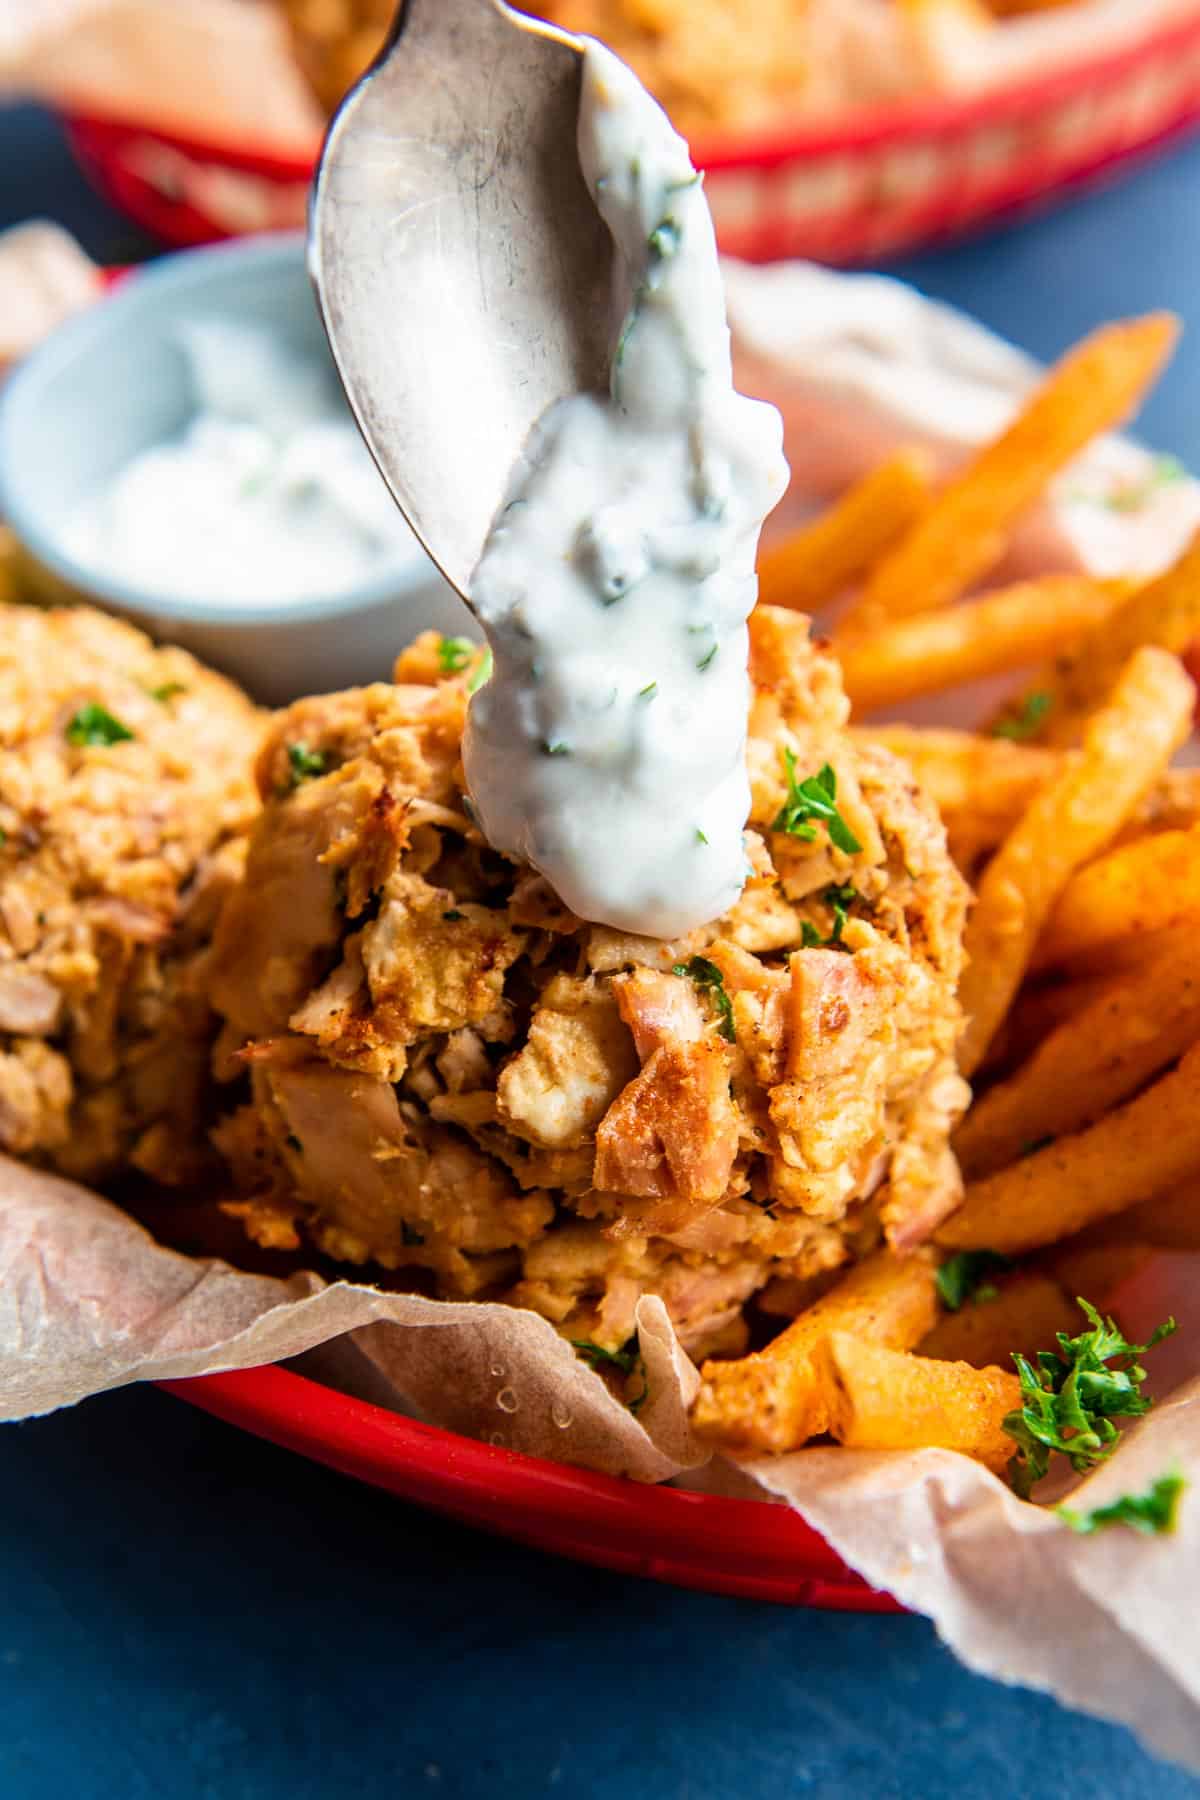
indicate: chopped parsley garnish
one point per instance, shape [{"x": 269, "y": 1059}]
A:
[
  {"x": 707, "y": 976},
  {"x": 409, "y": 1234},
  {"x": 557, "y": 748},
  {"x": 963, "y": 1277},
  {"x": 1071, "y": 1396},
  {"x": 1033, "y": 1145},
  {"x": 813, "y": 798},
  {"x": 94, "y": 724},
  {"x": 167, "y": 691},
  {"x": 453, "y": 916},
  {"x": 1026, "y": 720},
  {"x": 454, "y": 653},
  {"x": 707, "y": 658},
  {"x": 1155, "y": 1511},
  {"x": 306, "y": 764},
  {"x": 700, "y": 837},
  {"x": 839, "y": 898},
  {"x": 293, "y": 1143},
  {"x": 650, "y": 689},
  {"x": 625, "y": 1361},
  {"x": 664, "y": 239},
  {"x": 482, "y": 673}
]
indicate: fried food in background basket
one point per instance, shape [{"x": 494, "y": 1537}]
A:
[
  {"x": 714, "y": 64},
  {"x": 124, "y": 787},
  {"x": 451, "y": 1073}
]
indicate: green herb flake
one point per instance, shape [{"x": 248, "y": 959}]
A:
[
  {"x": 167, "y": 692},
  {"x": 1032, "y": 1146},
  {"x": 706, "y": 660},
  {"x": 481, "y": 672},
  {"x": 454, "y": 653},
  {"x": 650, "y": 689},
  {"x": 959, "y": 1279},
  {"x": 813, "y": 798},
  {"x": 1071, "y": 1396},
  {"x": 700, "y": 837},
  {"x": 1025, "y": 722},
  {"x": 306, "y": 764},
  {"x": 410, "y": 1235},
  {"x": 555, "y": 748},
  {"x": 293, "y": 1143},
  {"x": 839, "y": 898},
  {"x": 708, "y": 977},
  {"x": 1153, "y": 1513},
  {"x": 663, "y": 241},
  {"x": 94, "y": 725},
  {"x": 626, "y": 1362},
  {"x": 453, "y": 916},
  {"x": 3, "y": 837}
]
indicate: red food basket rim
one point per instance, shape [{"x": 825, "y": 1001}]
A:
[
  {"x": 700, "y": 1540},
  {"x": 893, "y": 122}
]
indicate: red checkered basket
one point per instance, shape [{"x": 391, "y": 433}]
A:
[{"x": 872, "y": 183}]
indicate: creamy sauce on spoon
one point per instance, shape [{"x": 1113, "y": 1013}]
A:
[{"x": 608, "y": 749}]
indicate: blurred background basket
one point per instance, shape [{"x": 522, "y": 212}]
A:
[{"x": 868, "y": 185}]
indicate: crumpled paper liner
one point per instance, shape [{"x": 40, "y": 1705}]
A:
[{"x": 89, "y": 1302}]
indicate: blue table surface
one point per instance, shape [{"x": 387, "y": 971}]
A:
[{"x": 185, "y": 1612}]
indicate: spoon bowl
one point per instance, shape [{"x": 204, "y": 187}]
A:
[{"x": 465, "y": 277}]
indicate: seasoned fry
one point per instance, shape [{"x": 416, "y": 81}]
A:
[
  {"x": 1082, "y": 1268},
  {"x": 822, "y": 559},
  {"x": 1140, "y": 1149},
  {"x": 1094, "y": 1060},
  {"x": 1165, "y": 612},
  {"x": 1147, "y": 886},
  {"x": 1025, "y": 1313},
  {"x": 880, "y": 1399},
  {"x": 966, "y": 530},
  {"x": 1126, "y": 748},
  {"x": 1000, "y": 631},
  {"x": 1168, "y": 1222},
  {"x": 770, "y": 1401},
  {"x": 980, "y": 785}
]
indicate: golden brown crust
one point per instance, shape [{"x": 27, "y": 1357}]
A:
[
  {"x": 124, "y": 785},
  {"x": 446, "y": 1066}
]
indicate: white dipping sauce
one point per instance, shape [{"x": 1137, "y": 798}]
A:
[
  {"x": 608, "y": 749},
  {"x": 268, "y": 494}
]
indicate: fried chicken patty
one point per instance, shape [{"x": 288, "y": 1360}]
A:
[
  {"x": 124, "y": 786},
  {"x": 449, "y": 1071}
]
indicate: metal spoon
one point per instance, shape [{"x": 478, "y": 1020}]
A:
[{"x": 465, "y": 277}]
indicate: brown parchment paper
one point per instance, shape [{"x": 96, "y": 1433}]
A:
[{"x": 1109, "y": 1623}]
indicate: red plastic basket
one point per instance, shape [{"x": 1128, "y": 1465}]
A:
[
  {"x": 869, "y": 184},
  {"x": 744, "y": 1547}
]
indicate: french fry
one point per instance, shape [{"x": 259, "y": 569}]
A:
[
  {"x": 1095, "y": 1059},
  {"x": 1126, "y": 748},
  {"x": 1096, "y": 1269},
  {"x": 1173, "y": 804},
  {"x": 1000, "y": 631},
  {"x": 1148, "y": 886},
  {"x": 967, "y": 528},
  {"x": 823, "y": 559},
  {"x": 1149, "y": 1145},
  {"x": 770, "y": 1400},
  {"x": 980, "y": 785},
  {"x": 1025, "y": 1314},
  {"x": 1165, "y": 612},
  {"x": 881, "y": 1399},
  {"x": 1170, "y": 1221}
]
